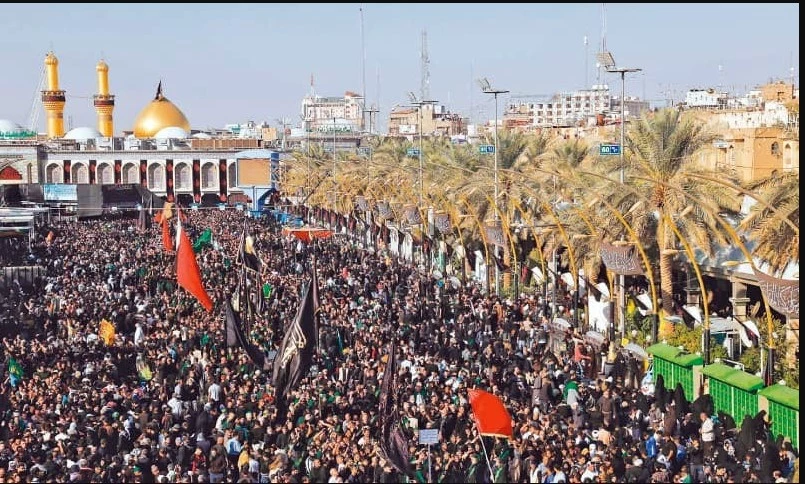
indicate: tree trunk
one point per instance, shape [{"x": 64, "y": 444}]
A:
[
  {"x": 666, "y": 292},
  {"x": 666, "y": 283}
]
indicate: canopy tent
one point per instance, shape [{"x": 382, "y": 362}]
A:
[{"x": 306, "y": 234}]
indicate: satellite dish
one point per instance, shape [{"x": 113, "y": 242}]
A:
[{"x": 437, "y": 274}]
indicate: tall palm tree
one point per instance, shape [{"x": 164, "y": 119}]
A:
[
  {"x": 659, "y": 148},
  {"x": 776, "y": 243}
]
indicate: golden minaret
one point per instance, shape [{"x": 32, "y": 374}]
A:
[
  {"x": 104, "y": 102},
  {"x": 53, "y": 99}
]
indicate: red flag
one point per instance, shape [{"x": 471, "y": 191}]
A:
[
  {"x": 167, "y": 241},
  {"x": 188, "y": 274},
  {"x": 491, "y": 416}
]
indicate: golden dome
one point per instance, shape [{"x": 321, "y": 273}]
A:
[
  {"x": 159, "y": 113},
  {"x": 102, "y": 66}
]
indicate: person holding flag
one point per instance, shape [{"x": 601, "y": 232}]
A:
[
  {"x": 188, "y": 274},
  {"x": 491, "y": 418},
  {"x": 15, "y": 371},
  {"x": 107, "y": 332}
]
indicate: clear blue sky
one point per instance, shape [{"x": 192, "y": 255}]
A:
[{"x": 234, "y": 62}]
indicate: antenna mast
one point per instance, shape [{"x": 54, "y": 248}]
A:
[
  {"x": 363, "y": 70},
  {"x": 586, "y": 60},
  {"x": 424, "y": 88},
  {"x": 603, "y": 39},
  {"x": 472, "y": 85}
]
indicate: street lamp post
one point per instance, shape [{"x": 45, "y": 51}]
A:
[
  {"x": 335, "y": 180},
  {"x": 606, "y": 60},
  {"x": 418, "y": 103},
  {"x": 486, "y": 88}
]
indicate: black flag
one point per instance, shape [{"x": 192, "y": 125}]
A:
[
  {"x": 235, "y": 337},
  {"x": 142, "y": 220},
  {"x": 393, "y": 442},
  {"x": 249, "y": 257},
  {"x": 295, "y": 354}
]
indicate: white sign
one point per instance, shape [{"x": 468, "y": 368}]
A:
[{"x": 429, "y": 436}]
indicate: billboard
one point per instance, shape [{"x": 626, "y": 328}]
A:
[
  {"x": 60, "y": 193},
  {"x": 254, "y": 172}
]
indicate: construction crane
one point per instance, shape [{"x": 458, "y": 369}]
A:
[{"x": 33, "y": 117}]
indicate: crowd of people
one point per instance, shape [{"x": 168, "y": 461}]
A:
[{"x": 168, "y": 401}]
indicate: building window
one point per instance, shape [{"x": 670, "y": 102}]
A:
[
  {"x": 232, "y": 175},
  {"x": 53, "y": 174},
  {"x": 209, "y": 179},
  {"x": 80, "y": 174},
  {"x": 104, "y": 175},
  {"x": 775, "y": 149},
  {"x": 156, "y": 177},
  {"x": 130, "y": 174},
  {"x": 182, "y": 175}
]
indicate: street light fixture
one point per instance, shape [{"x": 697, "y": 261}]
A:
[
  {"x": 487, "y": 88},
  {"x": 608, "y": 62}
]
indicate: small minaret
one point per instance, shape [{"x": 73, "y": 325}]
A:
[
  {"x": 104, "y": 102},
  {"x": 53, "y": 99}
]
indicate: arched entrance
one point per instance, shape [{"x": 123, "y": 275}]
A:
[
  {"x": 79, "y": 173},
  {"x": 9, "y": 173},
  {"x": 104, "y": 174},
  {"x": 53, "y": 174},
  {"x": 130, "y": 174}
]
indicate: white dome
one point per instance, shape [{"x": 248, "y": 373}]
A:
[
  {"x": 171, "y": 132},
  {"x": 83, "y": 133},
  {"x": 7, "y": 126},
  {"x": 201, "y": 136}
]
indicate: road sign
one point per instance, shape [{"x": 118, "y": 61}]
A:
[
  {"x": 413, "y": 152},
  {"x": 486, "y": 149},
  {"x": 428, "y": 436},
  {"x": 365, "y": 151},
  {"x": 609, "y": 149}
]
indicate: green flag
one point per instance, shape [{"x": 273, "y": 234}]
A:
[
  {"x": 203, "y": 240},
  {"x": 267, "y": 290},
  {"x": 15, "y": 371}
]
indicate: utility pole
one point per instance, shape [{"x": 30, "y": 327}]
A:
[
  {"x": 488, "y": 89},
  {"x": 606, "y": 59},
  {"x": 424, "y": 87},
  {"x": 418, "y": 103},
  {"x": 363, "y": 71},
  {"x": 335, "y": 180}
]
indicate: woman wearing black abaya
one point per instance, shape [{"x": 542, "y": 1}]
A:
[
  {"x": 660, "y": 393},
  {"x": 682, "y": 406}
]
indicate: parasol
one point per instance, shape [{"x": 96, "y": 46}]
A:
[
  {"x": 306, "y": 234},
  {"x": 636, "y": 351},
  {"x": 594, "y": 338}
]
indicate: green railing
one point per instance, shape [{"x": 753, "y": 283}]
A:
[
  {"x": 783, "y": 411},
  {"x": 675, "y": 366}
]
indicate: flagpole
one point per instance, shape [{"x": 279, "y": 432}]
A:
[
  {"x": 488, "y": 465},
  {"x": 243, "y": 278}
]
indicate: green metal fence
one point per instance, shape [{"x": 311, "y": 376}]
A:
[
  {"x": 734, "y": 391},
  {"x": 783, "y": 411},
  {"x": 675, "y": 366}
]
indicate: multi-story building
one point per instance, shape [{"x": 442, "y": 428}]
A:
[
  {"x": 633, "y": 106},
  {"x": 326, "y": 114},
  {"x": 562, "y": 109},
  {"x": 757, "y": 135},
  {"x": 751, "y": 153},
  {"x": 436, "y": 121},
  {"x": 705, "y": 99}
]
